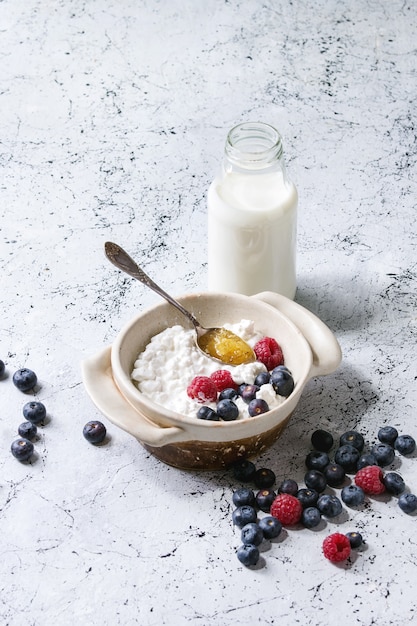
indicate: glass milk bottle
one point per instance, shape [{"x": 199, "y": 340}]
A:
[{"x": 252, "y": 216}]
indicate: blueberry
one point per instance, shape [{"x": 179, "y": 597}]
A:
[
  {"x": 243, "y": 496},
  {"x": 251, "y": 534},
  {"x": 311, "y": 517},
  {"x": 387, "y": 434},
  {"x": 366, "y": 459},
  {"x": 244, "y": 470},
  {"x": 264, "y": 478},
  {"x": 22, "y": 449},
  {"x": 264, "y": 498},
  {"x": 94, "y": 431},
  {"x": 262, "y": 379},
  {"x": 27, "y": 430},
  {"x": 329, "y": 505},
  {"x": 207, "y": 413},
  {"x": 248, "y": 555},
  {"x": 394, "y": 483},
  {"x": 355, "y": 539},
  {"x": 353, "y": 438},
  {"x": 347, "y": 456},
  {"x": 244, "y": 515},
  {"x": 2, "y": 369},
  {"x": 257, "y": 407},
  {"x": 407, "y": 502},
  {"x": 270, "y": 526},
  {"x": 282, "y": 382},
  {"x": 317, "y": 460},
  {"x": 35, "y": 412},
  {"x": 405, "y": 444},
  {"x": 384, "y": 453},
  {"x": 335, "y": 474},
  {"x": 322, "y": 440},
  {"x": 315, "y": 480},
  {"x": 228, "y": 394},
  {"x": 24, "y": 379},
  {"x": 248, "y": 393},
  {"x": 227, "y": 410},
  {"x": 352, "y": 495},
  {"x": 289, "y": 485},
  {"x": 308, "y": 497}
]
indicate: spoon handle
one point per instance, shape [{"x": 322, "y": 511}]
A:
[{"x": 124, "y": 262}]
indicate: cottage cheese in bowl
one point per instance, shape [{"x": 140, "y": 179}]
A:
[{"x": 171, "y": 360}]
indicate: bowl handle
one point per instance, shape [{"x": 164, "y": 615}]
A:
[
  {"x": 99, "y": 383},
  {"x": 327, "y": 354}
]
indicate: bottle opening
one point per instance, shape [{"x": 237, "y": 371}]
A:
[{"x": 253, "y": 145}]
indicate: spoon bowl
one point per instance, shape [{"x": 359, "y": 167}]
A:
[{"x": 218, "y": 343}]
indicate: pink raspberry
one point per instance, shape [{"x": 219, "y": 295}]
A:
[
  {"x": 269, "y": 352},
  {"x": 287, "y": 509},
  {"x": 336, "y": 547},
  {"x": 202, "y": 389},
  {"x": 370, "y": 479},
  {"x": 223, "y": 380}
]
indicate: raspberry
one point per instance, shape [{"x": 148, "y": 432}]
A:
[
  {"x": 287, "y": 509},
  {"x": 370, "y": 479},
  {"x": 202, "y": 389},
  {"x": 336, "y": 547},
  {"x": 269, "y": 353},
  {"x": 223, "y": 380}
]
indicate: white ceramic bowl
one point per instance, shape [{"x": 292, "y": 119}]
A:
[{"x": 309, "y": 347}]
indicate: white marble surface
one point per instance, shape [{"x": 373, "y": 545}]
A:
[{"x": 114, "y": 116}]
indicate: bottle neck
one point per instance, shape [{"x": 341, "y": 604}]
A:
[{"x": 253, "y": 148}]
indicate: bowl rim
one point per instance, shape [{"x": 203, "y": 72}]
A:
[{"x": 169, "y": 417}]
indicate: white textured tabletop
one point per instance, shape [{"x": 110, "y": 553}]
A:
[{"x": 114, "y": 116}]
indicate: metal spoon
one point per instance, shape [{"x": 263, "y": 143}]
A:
[{"x": 218, "y": 343}]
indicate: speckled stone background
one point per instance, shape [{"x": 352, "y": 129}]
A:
[{"x": 113, "y": 120}]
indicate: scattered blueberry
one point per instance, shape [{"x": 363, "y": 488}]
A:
[
  {"x": 315, "y": 480},
  {"x": 394, "y": 483},
  {"x": 270, "y": 526},
  {"x": 264, "y": 478},
  {"x": 353, "y": 438},
  {"x": 207, "y": 413},
  {"x": 2, "y": 369},
  {"x": 258, "y": 406},
  {"x": 27, "y": 430},
  {"x": 34, "y": 411},
  {"x": 94, "y": 431},
  {"x": 366, "y": 459},
  {"x": 288, "y": 485},
  {"x": 334, "y": 474},
  {"x": 244, "y": 515},
  {"x": 244, "y": 470},
  {"x": 311, "y": 517},
  {"x": 384, "y": 453},
  {"x": 329, "y": 505},
  {"x": 387, "y": 434},
  {"x": 322, "y": 440},
  {"x": 243, "y": 496},
  {"x": 352, "y": 495},
  {"x": 24, "y": 379},
  {"x": 262, "y": 379},
  {"x": 22, "y": 449},
  {"x": 252, "y": 534},
  {"x": 408, "y": 502},
  {"x": 355, "y": 539},
  {"x": 248, "y": 555},
  {"x": 228, "y": 394},
  {"x": 282, "y": 381},
  {"x": 405, "y": 444},
  {"x": 308, "y": 497},
  {"x": 264, "y": 498},
  {"x": 227, "y": 410},
  {"x": 248, "y": 393},
  {"x": 347, "y": 456},
  {"x": 317, "y": 460}
]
